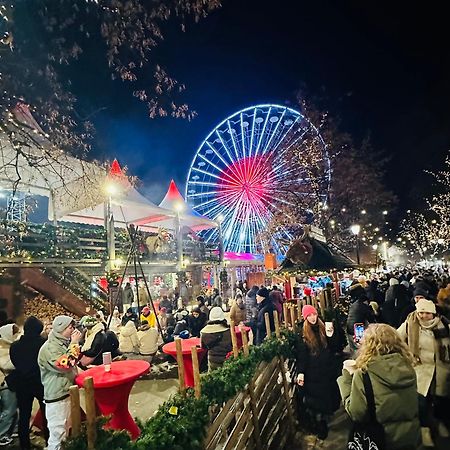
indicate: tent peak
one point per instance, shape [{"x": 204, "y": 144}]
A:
[{"x": 115, "y": 169}]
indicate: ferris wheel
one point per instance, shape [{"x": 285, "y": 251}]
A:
[{"x": 236, "y": 174}]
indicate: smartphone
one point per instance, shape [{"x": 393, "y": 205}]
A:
[{"x": 358, "y": 332}]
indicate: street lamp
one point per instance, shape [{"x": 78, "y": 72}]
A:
[{"x": 355, "y": 229}]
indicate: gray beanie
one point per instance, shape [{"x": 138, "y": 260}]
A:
[{"x": 60, "y": 323}]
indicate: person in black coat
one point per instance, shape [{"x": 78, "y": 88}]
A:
[
  {"x": 264, "y": 305},
  {"x": 196, "y": 321},
  {"x": 317, "y": 368},
  {"x": 396, "y": 301},
  {"x": 27, "y": 377},
  {"x": 359, "y": 312}
]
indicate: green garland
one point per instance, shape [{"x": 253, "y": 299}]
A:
[{"x": 181, "y": 422}]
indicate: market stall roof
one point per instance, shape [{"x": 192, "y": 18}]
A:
[
  {"x": 128, "y": 206},
  {"x": 174, "y": 201},
  {"x": 321, "y": 257}
]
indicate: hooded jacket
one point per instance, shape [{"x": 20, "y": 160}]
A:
[
  {"x": 6, "y": 339},
  {"x": 24, "y": 353},
  {"x": 148, "y": 340},
  {"x": 57, "y": 363},
  {"x": 396, "y": 402},
  {"x": 216, "y": 338},
  {"x": 128, "y": 339}
]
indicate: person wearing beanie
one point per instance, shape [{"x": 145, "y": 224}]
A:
[
  {"x": 196, "y": 321},
  {"x": 147, "y": 315},
  {"x": 8, "y": 401},
  {"x": 216, "y": 338},
  {"x": 317, "y": 370},
  {"x": 264, "y": 305},
  {"x": 28, "y": 385},
  {"x": 396, "y": 300},
  {"x": 428, "y": 338},
  {"x": 57, "y": 360}
]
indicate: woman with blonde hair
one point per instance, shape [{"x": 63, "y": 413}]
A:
[{"x": 385, "y": 362}]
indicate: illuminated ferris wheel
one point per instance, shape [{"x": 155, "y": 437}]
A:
[{"x": 236, "y": 174}]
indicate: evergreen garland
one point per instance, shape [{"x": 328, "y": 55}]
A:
[{"x": 181, "y": 422}]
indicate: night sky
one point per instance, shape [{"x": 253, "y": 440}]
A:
[{"x": 380, "y": 69}]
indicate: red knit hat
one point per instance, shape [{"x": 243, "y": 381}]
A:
[{"x": 308, "y": 310}]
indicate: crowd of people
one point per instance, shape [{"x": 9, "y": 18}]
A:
[
  {"x": 401, "y": 359},
  {"x": 402, "y": 354}
]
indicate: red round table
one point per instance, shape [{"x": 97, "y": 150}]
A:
[
  {"x": 186, "y": 344},
  {"x": 112, "y": 389},
  {"x": 238, "y": 332}
]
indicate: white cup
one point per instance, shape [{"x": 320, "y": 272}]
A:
[
  {"x": 350, "y": 366},
  {"x": 329, "y": 329},
  {"x": 107, "y": 359}
]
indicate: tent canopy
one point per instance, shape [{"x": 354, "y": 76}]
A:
[
  {"x": 174, "y": 201},
  {"x": 127, "y": 204}
]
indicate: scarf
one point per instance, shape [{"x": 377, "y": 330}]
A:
[{"x": 413, "y": 325}]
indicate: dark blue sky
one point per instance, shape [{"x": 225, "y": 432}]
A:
[{"x": 382, "y": 69}]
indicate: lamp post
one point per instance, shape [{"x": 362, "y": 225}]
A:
[
  {"x": 219, "y": 220},
  {"x": 179, "y": 207},
  {"x": 375, "y": 247},
  {"x": 355, "y": 229}
]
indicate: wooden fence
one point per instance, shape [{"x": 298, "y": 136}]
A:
[{"x": 260, "y": 417}]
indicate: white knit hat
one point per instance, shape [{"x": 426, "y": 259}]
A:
[
  {"x": 216, "y": 313},
  {"x": 424, "y": 305}
]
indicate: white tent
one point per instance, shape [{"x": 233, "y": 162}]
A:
[{"x": 175, "y": 202}]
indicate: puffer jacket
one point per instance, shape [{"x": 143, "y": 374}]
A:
[
  {"x": 216, "y": 338},
  {"x": 359, "y": 312},
  {"x": 238, "y": 313},
  {"x": 56, "y": 374},
  {"x": 128, "y": 339},
  {"x": 396, "y": 401},
  {"x": 148, "y": 340}
]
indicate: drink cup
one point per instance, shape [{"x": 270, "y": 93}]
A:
[
  {"x": 107, "y": 359},
  {"x": 350, "y": 366},
  {"x": 329, "y": 329}
]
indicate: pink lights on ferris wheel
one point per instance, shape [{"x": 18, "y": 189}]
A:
[
  {"x": 237, "y": 175},
  {"x": 246, "y": 182}
]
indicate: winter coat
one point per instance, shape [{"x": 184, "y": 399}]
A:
[
  {"x": 238, "y": 313},
  {"x": 251, "y": 310},
  {"x": 359, "y": 312},
  {"x": 216, "y": 338},
  {"x": 128, "y": 295},
  {"x": 196, "y": 324},
  {"x": 150, "y": 319},
  {"x": 394, "y": 305},
  {"x": 57, "y": 375},
  {"x": 7, "y": 338},
  {"x": 266, "y": 306},
  {"x": 277, "y": 299},
  {"x": 396, "y": 402},
  {"x": 128, "y": 339},
  {"x": 98, "y": 342},
  {"x": 434, "y": 356},
  {"x": 24, "y": 355},
  {"x": 320, "y": 392},
  {"x": 148, "y": 340},
  {"x": 399, "y": 294},
  {"x": 115, "y": 324}
]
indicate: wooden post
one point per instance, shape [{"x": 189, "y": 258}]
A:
[
  {"x": 286, "y": 394},
  {"x": 90, "y": 412},
  {"x": 75, "y": 411},
  {"x": 322, "y": 304},
  {"x": 244, "y": 342},
  {"x": 268, "y": 330},
  {"x": 196, "y": 370},
  {"x": 285, "y": 315},
  {"x": 299, "y": 310},
  {"x": 308, "y": 300},
  {"x": 180, "y": 366},
  {"x": 256, "y": 429},
  {"x": 233, "y": 339},
  {"x": 314, "y": 302},
  {"x": 277, "y": 324},
  {"x": 293, "y": 316}
]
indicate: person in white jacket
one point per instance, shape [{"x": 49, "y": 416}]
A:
[
  {"x": 129, "y": 341},
  {"x": 8, "y": 402},
  {"x": 148, "y": 341}
]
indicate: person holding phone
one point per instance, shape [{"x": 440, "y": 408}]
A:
[
  {"x": 317, "y": 369},
  {"x": 389, "y": 364},
  {"x": 359, "y": 313}
]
